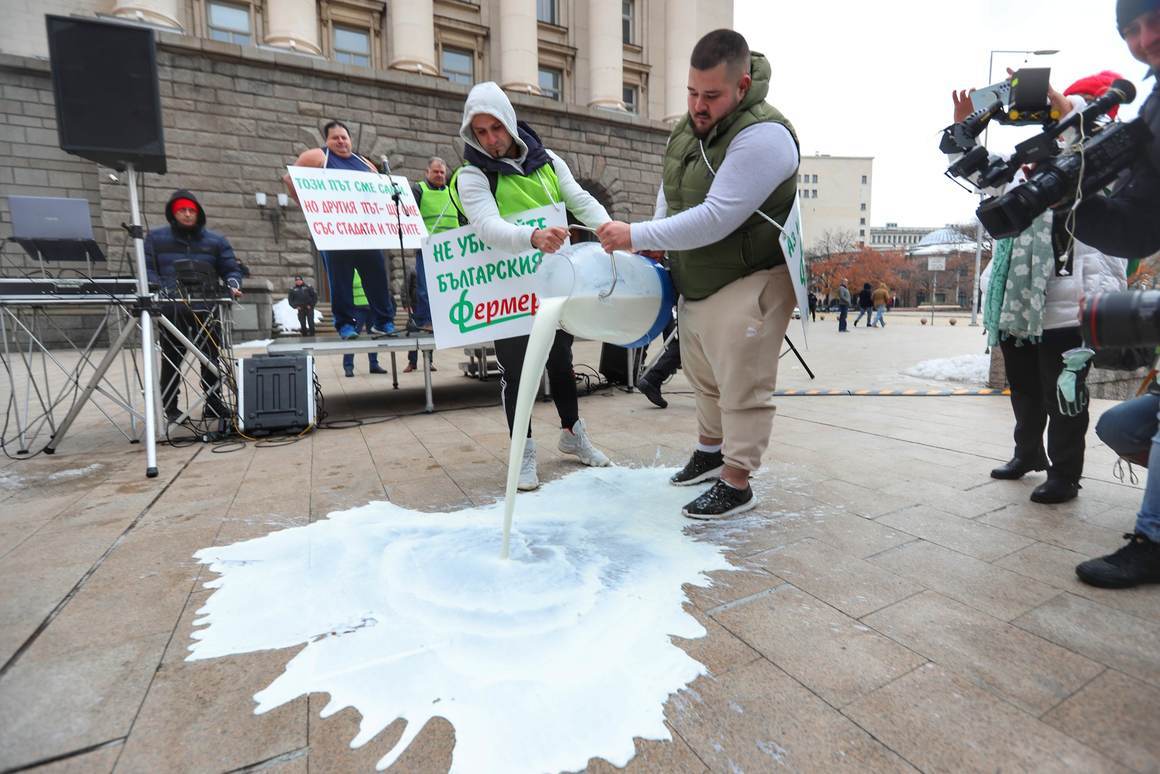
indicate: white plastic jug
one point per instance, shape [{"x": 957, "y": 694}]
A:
[{"x": 623, "y": 299}]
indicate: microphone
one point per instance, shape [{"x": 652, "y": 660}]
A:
[
  {"x": 1121, "y": 92},
  {"x": 386, "y": 165}
]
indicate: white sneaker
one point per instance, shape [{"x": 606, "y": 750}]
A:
[
  {"x": 528, "y": 478},
  {"x": 576, "y": 441}
]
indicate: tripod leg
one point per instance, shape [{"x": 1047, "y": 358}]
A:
[
  {"x": 94, "y": 380},
  {"x": 798, "y": 355}
]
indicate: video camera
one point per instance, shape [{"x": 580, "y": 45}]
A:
[
  {"x": 1123, "y": 319},
  {"x": 1061, "y": 174}
]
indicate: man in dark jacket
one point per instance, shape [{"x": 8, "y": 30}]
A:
[
  {"x": 187, "y": 238},
  {"x": 865, "y": 304},
  {"x": 1125, "y": 223},
  {"x": 303, "y": 298}
]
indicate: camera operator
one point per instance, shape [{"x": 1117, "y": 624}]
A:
[
  {"x": 1035, "y": 284},
  {"x": 1132, "y": 430},
  {"x": 1125, "y": 222}
]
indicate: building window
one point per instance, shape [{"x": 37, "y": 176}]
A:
[
  {"x": 352, "y": 46},
  {"x": 627, "y": 20},
  {"x": 861, "y": 232},
  {"x": 814, "y": 178},
  {"x": 861, "y": 221},
  {"x": 229, "y": 23},
  {"x": 864, "y": 180},
  {"x": 458, "y": 65},
  {"x": 814, "y": 193},
  {"x": 863, "y": 206},
  {"x": 552, "y": 83},
  {"x": 546, "y": 11},
  {"x": 631, "y": 98}
]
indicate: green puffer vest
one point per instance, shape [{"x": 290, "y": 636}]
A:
[
  {"x": 701, "y": 272},
  {"x": 436, "y": 208}
]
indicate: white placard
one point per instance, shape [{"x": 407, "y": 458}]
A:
[
  {"x": 478, "y": 293},
  {"x": 348, "y": 210},
  {"x": 793, "y": 248},
  {"x": 936, "y": 263}
]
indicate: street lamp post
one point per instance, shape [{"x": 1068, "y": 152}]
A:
[{"x": 975, "y": 300}]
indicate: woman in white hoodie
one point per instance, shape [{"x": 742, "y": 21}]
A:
[
  {"x": 1033, "y": 364},
  {"x": 508, "y": 170}
]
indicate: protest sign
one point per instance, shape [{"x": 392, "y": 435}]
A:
[
  {"x": 347, "y": 210},
  {"x": 478, "y": 293},
  {"x": 793, "y": 248}
]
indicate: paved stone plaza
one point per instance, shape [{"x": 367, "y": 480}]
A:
[{"x": 892, "y": 607}]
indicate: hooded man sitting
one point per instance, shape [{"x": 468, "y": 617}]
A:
[
  {"x": 187, "y": 238},
  {"x": 507, "y": 171}
]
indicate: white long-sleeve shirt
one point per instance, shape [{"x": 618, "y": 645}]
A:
[
  {"x": 759, "y": 159},
  {"x": 481, "y": 210}
]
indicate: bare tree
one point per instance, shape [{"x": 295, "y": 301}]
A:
[{"x": 833, "y": 242}]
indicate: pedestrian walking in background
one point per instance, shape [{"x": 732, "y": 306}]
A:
[
  {"x": 813, "y": 301},
  {"x": 303, "y": 298},
  {"x": 879, "y": 299},
  {"x": 865, "y": 299},
  {"x": 843, "y": 306}
]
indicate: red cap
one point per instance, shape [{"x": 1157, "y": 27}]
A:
[
  {"x": 183, "y": 203},
  {"x": 1095, "y": 86}
]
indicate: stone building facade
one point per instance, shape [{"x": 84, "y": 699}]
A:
[{"x": 236, "y": 113}]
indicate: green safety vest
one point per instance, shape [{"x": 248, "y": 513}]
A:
[
  {"x": 686, "y": 179},
  {"x": 359, "y": 295},
  {"x": 515, "y": 193},
  {"x": 436, "y": 208}
]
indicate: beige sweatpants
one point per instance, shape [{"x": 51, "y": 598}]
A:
[{"x": 730, "y": 344}]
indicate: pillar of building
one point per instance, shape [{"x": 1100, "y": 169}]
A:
[
  {"x": 413, "y": 37},
  {"x": 519, "y": 46},
  {"x": 162, "y": 12},
  {"x": 680, "y": 37},
  {"x": 293, "y": 25},
  {"x": 606, "y": 52}
]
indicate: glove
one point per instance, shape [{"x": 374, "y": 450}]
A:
[{"x": 1070, "y": 390}]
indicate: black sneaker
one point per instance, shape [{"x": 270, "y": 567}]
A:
[
  {"x": 702, "y": 466},
  {"x": 1134, "y": 564},
  {"x": 722, "y": 500},
  {"x": 652, "y": 392}
]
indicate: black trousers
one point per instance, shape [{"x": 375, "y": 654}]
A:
[
  {"x": 669, "y": 361},
  {"x": 204, "y": 330},
  {"x": 510, "y": 355},
  {"x": 1032, "y": 370},
  {"x": 306, "y": 320}
]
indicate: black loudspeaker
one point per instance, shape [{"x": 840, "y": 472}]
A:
[
  {"x": 108, "y": 106},
  {"x": 614, "y": 362}
]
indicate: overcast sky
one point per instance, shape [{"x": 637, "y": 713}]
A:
[{"x": 862, "y": 78}]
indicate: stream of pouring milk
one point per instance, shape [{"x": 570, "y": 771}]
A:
[
  {"x": 600, "y": 320},
  {"x": 547, "y": 319}
]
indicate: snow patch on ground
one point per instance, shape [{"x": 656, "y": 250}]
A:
[
  {"x": 255, "y": 343},
  {"x": 972, "y": 369},
  {"x": 68, "y": 475},
  {"x": 413, "y": 615},
  {"x": 286, "y": 316}
]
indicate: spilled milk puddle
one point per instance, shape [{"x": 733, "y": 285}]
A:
[{"x": 540, "y": 662}]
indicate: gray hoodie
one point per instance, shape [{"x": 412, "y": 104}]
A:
[{"x": 475, "y": 193}]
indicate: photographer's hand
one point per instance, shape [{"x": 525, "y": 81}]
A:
[{"x": 963, "y": 106}]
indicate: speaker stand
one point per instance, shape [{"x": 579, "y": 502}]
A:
[{"x": 146, "y": 310}]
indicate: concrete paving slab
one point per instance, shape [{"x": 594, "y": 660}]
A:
[
  {"x": 1028, "y": 671},
  {"x": 941, "y": 722},
  {"x": 1108, "y": 636},
  {"x": 1115, "y": 714},
  {"x": 956, "y": 533},
  {"x": 851, "y": 585},
  {"x": 985, "y": 587},
  {"x": 757, "y": 718},
  {"x": 833, "y": 655}
]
